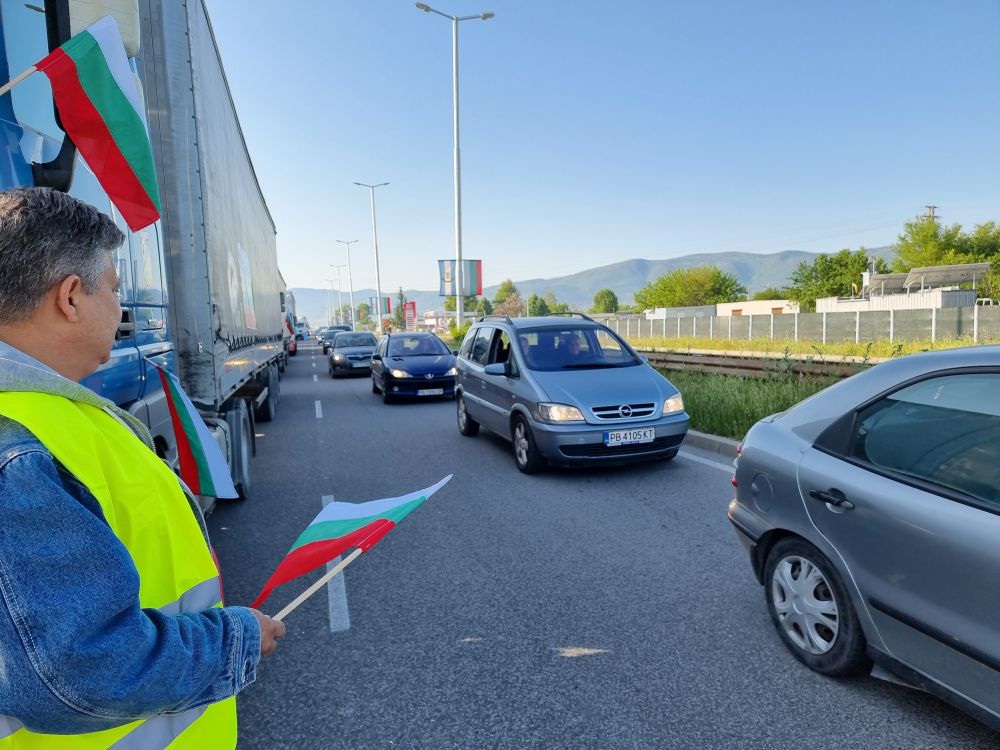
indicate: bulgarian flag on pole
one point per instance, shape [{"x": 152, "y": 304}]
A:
[
  {"x": 99, "y": 107},
  {"x": 203, "y": 467},
  {"x": 337, "y": 528}
]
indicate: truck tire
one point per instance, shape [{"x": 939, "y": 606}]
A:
[
  {"x": 242, "y": 447},
  {"x": 267, "y": 410}
]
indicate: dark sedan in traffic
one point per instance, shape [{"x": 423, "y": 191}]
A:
[
  {"x": 413, "y": 365},
  {"x": 351, "y": 353}
]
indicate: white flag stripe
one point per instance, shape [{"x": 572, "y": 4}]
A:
[
  {"x": 341, "y": 511},
  {"x": 109, "y": 38}
]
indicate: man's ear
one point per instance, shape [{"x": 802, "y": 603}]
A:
[{"x": 67, "y": 295}]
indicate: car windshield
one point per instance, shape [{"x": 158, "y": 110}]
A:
[
  {"x": 574, "y": 348},
  {"x": 410, "y": 346},
  {"x": 353, "y": 339}
]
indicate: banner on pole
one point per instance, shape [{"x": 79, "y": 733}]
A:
[
  {"x": 472, "y": 278},
  {"x": 386, "y": 305},
  {"x": 410, "y": 315}
]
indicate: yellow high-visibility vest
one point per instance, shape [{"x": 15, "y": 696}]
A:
[{"x": 148, "y": 511}]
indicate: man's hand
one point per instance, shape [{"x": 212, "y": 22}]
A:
[{"x": 270, "y": 631}]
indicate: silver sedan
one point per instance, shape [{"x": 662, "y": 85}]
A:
[{"x": 871, "y": 513}]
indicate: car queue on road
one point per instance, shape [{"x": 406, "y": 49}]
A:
[{"x": 870, "y": 511}]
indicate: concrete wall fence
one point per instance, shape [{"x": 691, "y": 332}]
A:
[{"x": 978, "y": 323}]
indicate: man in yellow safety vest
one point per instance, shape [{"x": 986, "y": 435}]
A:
[{"x": 112, "y": 629}]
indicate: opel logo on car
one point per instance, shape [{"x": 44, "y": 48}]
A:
[{"x": 625, "y": 410}]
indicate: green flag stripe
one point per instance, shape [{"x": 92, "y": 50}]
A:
[
  {"x": 323, "y": 530},
  {"x": 125, "y": 126},
  {"x": 204, "y": 475}
]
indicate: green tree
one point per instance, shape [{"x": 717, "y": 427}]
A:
[
  {"x": 605, "y": 301},
  {"x": 685, "y": 287},
  {"x": 537, "y": 306},
  {"x": 924, "y": 242},
  {"x": 550, "y": 300},
  {"x": 484, "y": 307},
  {"x": 559, "y": 307},
  {"x": 836, "y": 275},
  {"x": 469, "y": 303},
  {"x": 506, "y": 289},
  {"x": 770, "y": 293},
  {"x": 398, "y": 316},
  {"x": 364, "y": 313}
]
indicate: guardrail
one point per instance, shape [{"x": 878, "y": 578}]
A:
[{"x": 757, "y": 366}]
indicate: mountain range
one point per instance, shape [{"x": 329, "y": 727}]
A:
[{"x": 755, "y": 271}]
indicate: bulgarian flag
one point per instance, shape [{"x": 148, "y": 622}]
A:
[
  {"x": 99, "y": 107},
  {"x": 203, "y": 467},
  {"x": 337, "y": 528}
]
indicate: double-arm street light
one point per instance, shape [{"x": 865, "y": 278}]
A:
[
  {"x": 340, "y": 294},
  {"x": 378, "y": 277},
  {"x": 459, "y": 291},
  {"x": 350, "y": 281}
]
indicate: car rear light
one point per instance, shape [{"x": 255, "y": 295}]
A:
[{"x": 736, "y": 461}]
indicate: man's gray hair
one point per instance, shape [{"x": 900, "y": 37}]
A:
[{"x": 45, "y": 236}]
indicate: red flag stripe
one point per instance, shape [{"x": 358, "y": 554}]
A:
[
  {"x": 92, "y": 137},
  {"x": 310, "y": 556}
]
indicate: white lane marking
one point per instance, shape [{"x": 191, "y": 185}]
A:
[
  {"x": 728, "y": 468},
  {"x": 319, "y": 410},
  {"x": 314, "y": 364},
  {"x": 340, "y": 618},
  {"x": 315, "y": 378}
]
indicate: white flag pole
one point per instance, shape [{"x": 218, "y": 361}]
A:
[
  {"x": 317, "y": 586},
  {"x": 14, "y": 81}
]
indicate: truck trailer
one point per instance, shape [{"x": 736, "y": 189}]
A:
[{"x": 201, "y": 291}]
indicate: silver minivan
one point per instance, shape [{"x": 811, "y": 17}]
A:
[{"x": 565, "y": 389}]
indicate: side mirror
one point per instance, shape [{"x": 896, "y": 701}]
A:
[
  {"x": 454, "y": 352},
  {"x": 496, "y": 368},
  {"x": 376, "y": 357}
]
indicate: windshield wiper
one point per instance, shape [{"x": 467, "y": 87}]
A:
[{"x": 589, "y": 366}]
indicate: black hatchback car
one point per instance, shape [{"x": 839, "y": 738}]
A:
[{"x": 413, "y": 365}]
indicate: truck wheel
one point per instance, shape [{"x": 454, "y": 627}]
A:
[
  {"x": 268, "y": 409},
  {"x": 241, "y": 447}
]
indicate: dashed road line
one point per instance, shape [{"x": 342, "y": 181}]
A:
[
  {"x": 319, "y": 410},
  {"x": 340, "y": 617}
]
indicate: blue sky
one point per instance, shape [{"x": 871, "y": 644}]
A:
[{"x": 594, "y": 132}]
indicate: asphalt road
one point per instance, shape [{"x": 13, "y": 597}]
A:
[{"x": 572, "y": 609}]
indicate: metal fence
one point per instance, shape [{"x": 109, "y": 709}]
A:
[{"x": 980, "y": 324}]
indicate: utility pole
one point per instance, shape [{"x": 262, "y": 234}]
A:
[{"x": 930, "y": 213}]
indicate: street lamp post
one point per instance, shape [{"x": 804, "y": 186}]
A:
[
  {"x": 378, "y": 277},
  {"x": 459, "y": 298},
  {"x": 329, "y": 303},
  {"x": 350, "y": 282},
  {"x": 340, "y": 294}
]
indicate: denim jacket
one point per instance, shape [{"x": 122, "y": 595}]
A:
[{"x": 61, "y": 564}]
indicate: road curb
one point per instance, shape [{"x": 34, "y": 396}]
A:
[{"x": 721, "y": 445}]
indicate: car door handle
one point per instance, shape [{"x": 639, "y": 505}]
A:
[{"x": 833, "y": 497}]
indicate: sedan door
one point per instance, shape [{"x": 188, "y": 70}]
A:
[{"x": 907, "y": 490}]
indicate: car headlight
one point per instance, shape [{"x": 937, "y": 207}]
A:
[
  {"x": 339, "y": 358},
  {"x": 399, "y": 373},
  {"x": 453, "y": 371},
  {"x": 559, "y": 413},
  {"x": 673, "y": 404}
]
